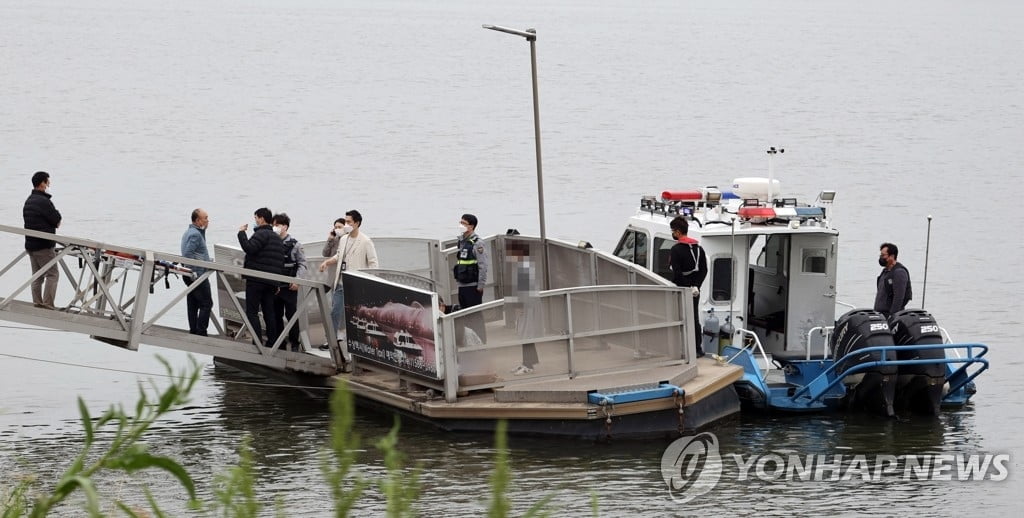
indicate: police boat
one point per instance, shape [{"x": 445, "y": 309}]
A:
[{"x": 769, "y": 304}]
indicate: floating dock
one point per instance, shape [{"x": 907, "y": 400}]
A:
[{"x": 611, "y": 343}]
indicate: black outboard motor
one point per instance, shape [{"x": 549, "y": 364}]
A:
[
  {"x": 919, "y": 387},
  {"x": 873, "y": 389}
]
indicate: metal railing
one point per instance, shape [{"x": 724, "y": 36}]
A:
[
  {"x": 826, "y": 332},
  {"x": 959, "y": 378},
  {"x": 583, "y": 330},
  {"x": 134, "y": 312},
  {"x": 759, "y": 348}
]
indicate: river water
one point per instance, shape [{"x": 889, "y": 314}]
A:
[{"x": 413, "y": 114}]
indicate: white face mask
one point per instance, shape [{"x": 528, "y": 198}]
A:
[
  {"x": 278, "y": 229},
  {"x": 347, "y": 229},
  {"x": 463, "y": 229}
]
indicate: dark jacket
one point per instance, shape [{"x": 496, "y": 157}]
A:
[
  {"x": 264, "y": 251},
  {"x": 689, "y": 263},
  {"x": 41, "y": 215},
  {"x": 893, "y": 290}
]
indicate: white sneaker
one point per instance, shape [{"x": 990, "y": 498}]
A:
[{"x": 522, "y": 369}]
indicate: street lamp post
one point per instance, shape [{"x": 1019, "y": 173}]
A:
[{"x": 531, "y": 36}]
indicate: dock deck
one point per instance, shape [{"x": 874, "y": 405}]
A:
[{"x": 550, "y": 399}]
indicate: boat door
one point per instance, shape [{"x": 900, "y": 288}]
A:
[{"x": 812, "y": 288}]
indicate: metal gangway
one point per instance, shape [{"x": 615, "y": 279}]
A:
[
  {"x": 123, "y": 295},
  {"x": 594, "y": 314}
]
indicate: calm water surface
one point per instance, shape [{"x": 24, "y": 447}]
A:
[{"x": 413, "y": 114}]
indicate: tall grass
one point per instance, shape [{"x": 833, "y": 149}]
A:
[{"x": 234, "y": 491}]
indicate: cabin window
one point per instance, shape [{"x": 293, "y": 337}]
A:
[
  {"x": 721, "y": 279},
  {"x": 633, "y": 247},
  {"x": 663, "y": 257},
  {"x": 815, "y": 261}
]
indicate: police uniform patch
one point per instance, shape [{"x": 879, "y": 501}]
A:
[{"x": 479, "y": 249}]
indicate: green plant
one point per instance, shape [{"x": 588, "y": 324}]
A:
[
  {"x": 235, "y": 492},
  {"x": 400, "y": 488},
  {"x": 337, "y": 462},
  {"x": 125, "y": 452},
  {"x": 15, "y": 503},
  {"x": 236, "y": 489},
  {"x": 502, "y": 473}
]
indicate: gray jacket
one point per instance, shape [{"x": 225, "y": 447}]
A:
[{"x": 193, "y": 246}]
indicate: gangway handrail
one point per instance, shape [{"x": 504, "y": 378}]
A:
[
  {"x": 757, "y": 342},
  {"x": 159, "y": 256},
  {"x": 150, "y": 265},
  {"x": 884, "y": 361}
]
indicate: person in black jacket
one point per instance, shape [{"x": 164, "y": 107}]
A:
[
  {"x": 40, "y": 214},
  {"x": 263, "y": 252},
  {"x": 893, "y": 283},
  {"x": 689, "y": 268}
]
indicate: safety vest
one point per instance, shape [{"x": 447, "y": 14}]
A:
[
  {"x": 291, "y": 266},
  {"x": 467, "y": 269},
  {"x": 466, "y": 253}
]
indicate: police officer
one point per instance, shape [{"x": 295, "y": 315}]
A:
[
  {"x": 471, "y": 267},
  {"x": 471, "y": 271},
  {"x": 286, "y": 303}
]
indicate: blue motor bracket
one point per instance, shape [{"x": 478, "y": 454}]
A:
[
  {"x": 750, "y": 385},
  {"x": 801, "y": 372}
]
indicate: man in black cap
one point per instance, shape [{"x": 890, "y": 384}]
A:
[{"x": 40, "y": 214}]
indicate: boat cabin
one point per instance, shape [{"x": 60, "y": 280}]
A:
[{"x": 771, "y": 260}]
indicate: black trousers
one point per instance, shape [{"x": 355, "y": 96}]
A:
[
  {"x": 260, "y": 297},
  {"x": 469, "y": 297},
  {"x": 198, "y": 304},
  {"x": 285, "y": 305}
]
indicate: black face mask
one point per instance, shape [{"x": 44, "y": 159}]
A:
[{"x": 882, "y": 262}]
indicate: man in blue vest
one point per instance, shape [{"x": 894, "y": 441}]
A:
[
  {"x": 471, "y": 270},
  {"x": 198, "y": 302}
]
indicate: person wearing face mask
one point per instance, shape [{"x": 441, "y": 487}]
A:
[
  {"x": 199, "y": 301},
  {"x": 40, "y": 214},
  {"x": 333, "y": 237},
  {"x": 893, "y": 283},
  {"x": 470, "y": 271},
  {"x": 689, "y": 265},
  {"x": 355, "y": 252},
  {"x": 294, "y": 266},
  {"x": 264, "y": 252},
  {"x": 337, "y": 296}
]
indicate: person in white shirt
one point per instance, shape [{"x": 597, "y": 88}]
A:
[{"x": 355, "y": 252}]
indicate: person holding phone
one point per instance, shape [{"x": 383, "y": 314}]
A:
[{"x": 355, "y": 252}]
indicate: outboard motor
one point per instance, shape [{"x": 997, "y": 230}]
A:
[
  {"x": 875, "y": 388},
  {"x": 919, "y": 387}
]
